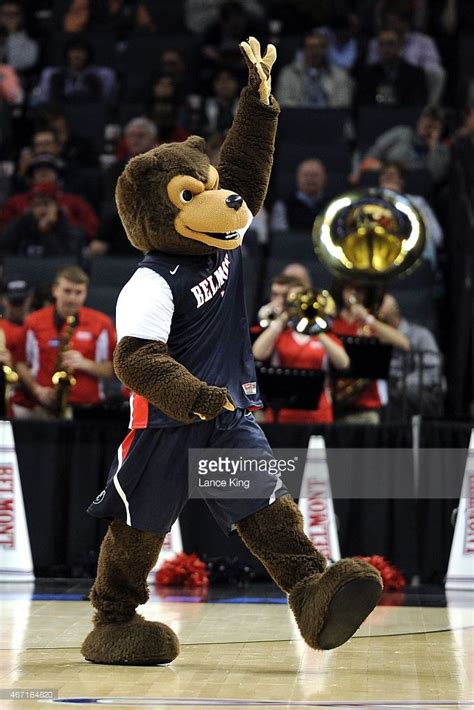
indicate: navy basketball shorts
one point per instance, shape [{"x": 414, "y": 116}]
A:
[{"x": 147, "y": 486}]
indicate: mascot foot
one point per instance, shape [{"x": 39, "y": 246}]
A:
[
  {"x": 132, "y": 643},
  {"x": 330, "y": 607}
]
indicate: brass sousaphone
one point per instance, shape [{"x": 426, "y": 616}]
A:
[{"x": 369, "y": 236}]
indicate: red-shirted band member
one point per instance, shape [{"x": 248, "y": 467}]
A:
[
  {"x": 360, "y": 400},
  {"x": 16, "y": 301},
  {"x": 88, "y": 355},
  {"x": 283, "y": 346}
]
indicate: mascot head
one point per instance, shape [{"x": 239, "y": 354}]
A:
[{"x": 169, "y": 199}]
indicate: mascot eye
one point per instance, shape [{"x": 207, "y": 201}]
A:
[{"x": 186, "y": 196}]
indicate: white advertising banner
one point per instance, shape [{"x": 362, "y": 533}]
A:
[
  {"x": 461, "y": 560},
  {"x": 315, "y": 501},
  {"x": 15, "y": 553}
]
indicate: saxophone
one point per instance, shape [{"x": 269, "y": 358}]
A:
[
  {"x": 9, "y": 378},
  {"x": 63, "y": 380}
]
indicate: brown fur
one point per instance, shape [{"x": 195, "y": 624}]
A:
[
  {"x": 148, "y": 370},
  {"x": 276, "y": 537},
  {"x": 119, "y": 634},
  {"x": 310, "y": 599},
  {"x": 147, "y": 213}
]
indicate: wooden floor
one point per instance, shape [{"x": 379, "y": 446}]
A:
[{"x": 240, "y": 655}]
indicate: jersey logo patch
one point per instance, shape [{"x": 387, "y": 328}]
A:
[
  {"x": 99, "y": 498},
  {"x": 250, "y": 388},
  {"x": 83, "y": 335},
  {"x": 172, "y": 272}
]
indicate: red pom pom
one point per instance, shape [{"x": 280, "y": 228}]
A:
[
  {"x": 392, "y": 577},
  {"x": 183, "y": 571}
]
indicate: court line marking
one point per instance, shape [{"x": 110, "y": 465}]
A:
[
  {"x": 231, "y": 702},
  {"x": 227, "y": 643}
]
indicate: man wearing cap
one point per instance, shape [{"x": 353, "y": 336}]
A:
[
  {"x": 45, "y": 169},
  {"x": 83, "y": 349},
  {"x": 16, "y": 299},
  {"x": 43, "y": 230}
]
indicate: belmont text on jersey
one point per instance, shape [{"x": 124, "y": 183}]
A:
[{"x": 208, "y": 287}]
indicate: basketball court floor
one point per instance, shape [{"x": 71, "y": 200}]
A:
[{"x": 240, "y": 649}]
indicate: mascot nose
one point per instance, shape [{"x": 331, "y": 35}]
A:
[{"x": 234, "y": 202}]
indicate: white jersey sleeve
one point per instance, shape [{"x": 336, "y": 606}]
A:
[{"x": 145, "y": 307}]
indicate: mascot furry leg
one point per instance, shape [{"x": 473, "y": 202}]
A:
[
  {"x": 330, "y": 604},
  {"x": 120, "y": 635}
]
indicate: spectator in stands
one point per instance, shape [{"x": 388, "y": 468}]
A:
[
  {"x": 16, "y": 300},
  {"x": 20, "y": 50},
  {"x": 74, "y": 177},
  {"x": 280, "y": 344},
  {"x": 313, "y": 81},
  {"x": 391, "y": 81},
  {"x": 43, "y": 230},
  {"x": 10, "y": 88},
  {"x": 220, "y": 41},
  {"x": 165, "y": 115},
  {"x": 344, "y": 43},
  {"x": 200, "y": 14},
  {"x": 414, "y": 148},
  {"x": 299, "y": 210},
  {"x": 116, "y": 16},
  {"x": 392, "y": 177},
  {"x": 218, "y": 109},
  {"x": 79, "y": 81},
  {"x": 140, "y": 135},
  {"x": 415, "y": 377},
  {"x": 361, "y": 400},
  {"x": 173, "y": 64},
  {"x": 88, "y": 356},
  {"x": 75, "y": 150},
  {"x": 46, "y": 169},
  {"x": 419, "y": 49}
]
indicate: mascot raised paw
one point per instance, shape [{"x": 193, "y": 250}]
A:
[{"x": 184, "y": 351}]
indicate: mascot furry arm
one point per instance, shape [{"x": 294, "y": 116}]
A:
[{"x": 245, "y": 167}]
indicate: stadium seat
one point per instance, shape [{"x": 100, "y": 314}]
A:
[
  {"x": 372, "y": 121},
  {"x": 103, "y": 298},
  {"x": 112, "y": 270},
  {"x": 37, "y": 271},
  {"x": 292, "y": 246},
  {"x": 88, "y": 120},
  {"x": 314, "y": 127}
]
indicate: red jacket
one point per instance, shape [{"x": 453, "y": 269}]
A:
[
  {"x": 94, "y": 336},
  {"x": 78, "y": 212}
]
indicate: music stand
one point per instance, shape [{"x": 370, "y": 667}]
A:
[
  {"x": 289, "y": 388},
  {"x": 370, "y": 360}
]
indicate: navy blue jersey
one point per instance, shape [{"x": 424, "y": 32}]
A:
[{"x": 209, "y": 330}]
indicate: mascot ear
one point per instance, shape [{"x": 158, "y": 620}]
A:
[{"x": 196, "y": 142}]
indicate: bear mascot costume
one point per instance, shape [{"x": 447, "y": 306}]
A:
[{"x": 184, "y": 351}]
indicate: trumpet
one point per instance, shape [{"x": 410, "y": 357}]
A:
[
  {"x": 311, "y": 312},
  {"x": 10, "y": 377},
  {"x": 267, "y": 314},
  {"x": 62, "y": 380}
]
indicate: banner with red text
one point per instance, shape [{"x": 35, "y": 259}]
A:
[
  {"x": 461, "y": 560},
  {"x": 15, "y": 552},
  {"x": 315, "y": 501}
]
